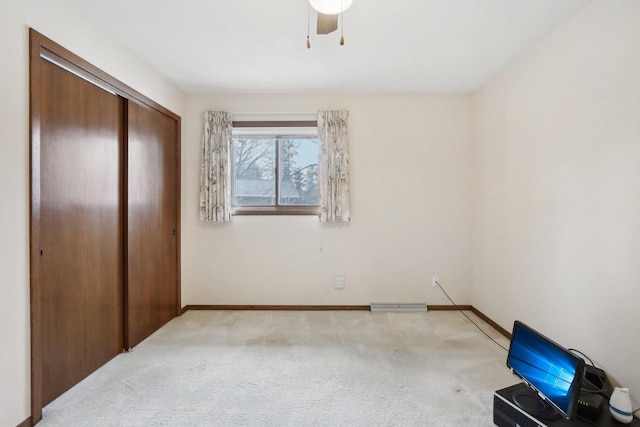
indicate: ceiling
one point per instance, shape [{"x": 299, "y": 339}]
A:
[{"x": 442, "y": 46}]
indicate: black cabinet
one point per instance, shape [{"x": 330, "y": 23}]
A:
[{"x": 508, "y": 414}]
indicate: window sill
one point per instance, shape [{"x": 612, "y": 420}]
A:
[{"x": 270, "y": 210}]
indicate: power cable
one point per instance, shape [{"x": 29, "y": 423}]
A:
[
  {"x": 583, "y": 355},
  {"x": 468, "y": 318}
]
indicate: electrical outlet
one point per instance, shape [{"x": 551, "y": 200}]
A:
[
  {"x": 434, "y": 281},
  {"x": 338, "y": 282}
]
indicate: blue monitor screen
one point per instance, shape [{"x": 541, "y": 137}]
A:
[{"x": 547, "y": 367}]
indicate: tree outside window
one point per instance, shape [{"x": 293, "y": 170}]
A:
[{"x": 275, "y": 172}]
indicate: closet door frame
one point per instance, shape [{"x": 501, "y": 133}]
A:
[{"x": 42, "y": 48}]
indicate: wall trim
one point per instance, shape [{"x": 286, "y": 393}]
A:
[
  {"x": 278, "y": 307},
  {"x": 449, "y": 307},
  {"x": 465, "y": 307},
  {"x": 26, "y": 423},
  {"x": 493, "y": 324}
]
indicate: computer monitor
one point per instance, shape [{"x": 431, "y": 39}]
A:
[{"x": 552, "y": 372}]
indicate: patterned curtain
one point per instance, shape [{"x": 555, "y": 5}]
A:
[
  {"x": 334, "y": 166},
  {"x": 215, "y": 170}
]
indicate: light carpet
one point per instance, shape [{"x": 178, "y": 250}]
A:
[{"x": 280, "y": 368}]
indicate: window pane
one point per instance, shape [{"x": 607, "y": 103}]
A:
[
  {"x": 254, "y": 172},
  {"x": 299, "y": 172}
]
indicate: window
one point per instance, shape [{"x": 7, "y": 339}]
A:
[{"x": 275, "y": 171}]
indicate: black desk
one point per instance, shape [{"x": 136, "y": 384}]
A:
[{"x": 508, "y": 414}]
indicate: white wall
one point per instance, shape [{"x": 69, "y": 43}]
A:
[
  {"x": 410, "y": 205},
  {"x": 554, "y": 188},
  {"x": 55, "y": 21},
  {"x": 557, "y": 189}
]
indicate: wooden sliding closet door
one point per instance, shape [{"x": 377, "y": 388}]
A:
[
  {"x": 152, "y": 283},
  {"x": 105, "y": 195},
  {"x": 81, "y": 240}
]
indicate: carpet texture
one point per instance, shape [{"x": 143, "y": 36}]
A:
[{"x": 279, "y": 368}]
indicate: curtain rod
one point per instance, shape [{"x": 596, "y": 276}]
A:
[{"x": 275, "y": 114}]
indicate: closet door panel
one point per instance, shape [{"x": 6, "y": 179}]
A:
[
  {"x": 81, "y": 228},
  {"x": 152, "y": 285}
]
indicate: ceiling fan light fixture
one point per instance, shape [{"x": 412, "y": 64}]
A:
[{"x": 331, "y": 7}]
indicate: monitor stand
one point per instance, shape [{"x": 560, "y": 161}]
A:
[{"x": 529, "y": 401}]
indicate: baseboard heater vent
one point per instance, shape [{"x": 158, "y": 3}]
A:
[{"x": 402, "y": 308}]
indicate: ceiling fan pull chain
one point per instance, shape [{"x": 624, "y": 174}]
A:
[
  {"x": 308, "y": 25},
  {"x": 342, "y": 23}
]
